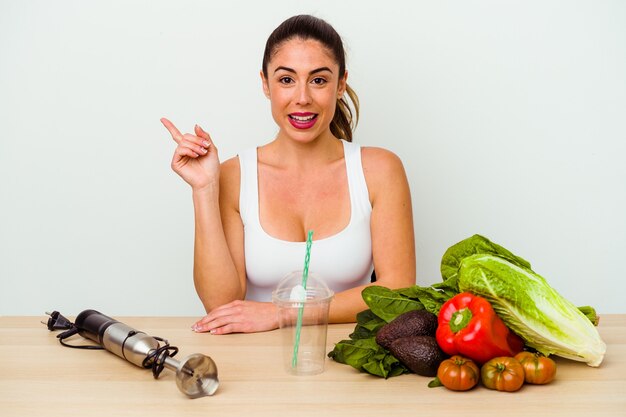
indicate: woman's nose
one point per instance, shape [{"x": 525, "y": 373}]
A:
[{"x": 303, "y": 95}]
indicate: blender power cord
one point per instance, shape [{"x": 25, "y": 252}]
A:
[
  {"x": 59, "y": 322},
  {"x": 156, "y": 358}
]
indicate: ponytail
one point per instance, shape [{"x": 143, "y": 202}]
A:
[{"x": 344, "y": 121}]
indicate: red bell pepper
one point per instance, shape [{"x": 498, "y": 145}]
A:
[{"x": 468, "y": 326}]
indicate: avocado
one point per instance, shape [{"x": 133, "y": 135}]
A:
[
  {"x": 421, "y": 354},
  {"x": 412, "y": 323}
]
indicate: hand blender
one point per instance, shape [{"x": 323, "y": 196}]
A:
[{"x": 196, "y": 375}]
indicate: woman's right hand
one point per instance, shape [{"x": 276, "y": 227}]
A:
[{"x": 195, "y": 158}]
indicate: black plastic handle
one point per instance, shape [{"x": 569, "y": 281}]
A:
[{"x": 92, "y": 324}]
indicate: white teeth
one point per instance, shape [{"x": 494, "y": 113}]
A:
[{"x": 302, "y": 119}]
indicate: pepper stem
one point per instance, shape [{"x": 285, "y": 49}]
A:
[{"x": 460, "y": 319}]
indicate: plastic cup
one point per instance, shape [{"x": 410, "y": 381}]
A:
[{"x": 304, "y": 345}]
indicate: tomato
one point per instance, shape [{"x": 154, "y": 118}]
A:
[
  {"x": 458, "y": 373},
  {"x": 538, "y": 369},
  {"x": 503, "y": 374}
]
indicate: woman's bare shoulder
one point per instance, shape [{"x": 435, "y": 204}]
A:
[
  {"x": 230, "y": 167},
  {"x": 383, "y": 170},
  {"x": 379, "y": 163}
]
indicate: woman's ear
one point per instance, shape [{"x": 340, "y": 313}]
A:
[
  {"x": 343, "y": 83},
  {"x": 266, "y": 87}
]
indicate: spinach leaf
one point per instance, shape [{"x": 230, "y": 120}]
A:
[
  {"x": 369, "y": 320},
  {"x": 368, "y": 324},
  {"x": 361, "y": 332},
  {"x": 366, "y": 355},
  {"x": 430, "y": 298},
  {"x": 385, "y": 365},
  {"x": 388, "y": 304},
  {"x": 355, "y": 353}
]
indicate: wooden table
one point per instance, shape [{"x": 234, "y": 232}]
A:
[{"x": 39, "y": 377}]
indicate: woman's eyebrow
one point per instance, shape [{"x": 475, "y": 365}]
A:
[{"x": 310, "y": 72}]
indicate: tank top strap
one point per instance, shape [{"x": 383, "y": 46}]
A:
[
  {"x": 249, "y": 187},
  {"x": 359, "y": 195}
]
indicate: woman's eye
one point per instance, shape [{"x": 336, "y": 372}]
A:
[
  {"x": 285, "y": 80},
  {"x": 318, "y": 81}
]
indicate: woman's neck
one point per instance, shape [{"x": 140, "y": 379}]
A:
[{"x": 287, "y": 153}]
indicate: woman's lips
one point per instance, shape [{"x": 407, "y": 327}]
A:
[{"x": 302, "y": 120}]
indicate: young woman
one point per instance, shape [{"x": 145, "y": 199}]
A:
[{"x": 253, "y": 212}]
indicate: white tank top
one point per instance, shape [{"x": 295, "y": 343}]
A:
[{"x": 343, "y": 260}]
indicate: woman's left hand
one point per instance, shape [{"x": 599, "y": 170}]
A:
[{"x": 239, "y": 317}]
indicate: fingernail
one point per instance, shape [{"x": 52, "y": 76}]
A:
[
  {"x": 207, "y": 144},
  {"x": 204, "y": 150}
]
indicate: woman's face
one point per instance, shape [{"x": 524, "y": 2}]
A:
[{"x": 303, "y": 85}]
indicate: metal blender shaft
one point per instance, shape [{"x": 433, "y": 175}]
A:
[{"x": 196, "y": 375}]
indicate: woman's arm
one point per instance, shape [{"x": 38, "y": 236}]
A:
[
  {"x": 217, "y": 276},
  {"x": 393, "y": 243},
  {"x": 218, "y": 245}
]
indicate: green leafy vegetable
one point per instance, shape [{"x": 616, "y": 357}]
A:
[
  {"x": 368, "y": 324},
  {"x": 388, "y": 304},
  {"x": 431, "y": 299},
  {"x": 477, "y": 244},
  {"x": 435, "y": 383},
  {"x": 367, "y": 355},
  {"x": 449, "y": 287},
  {"x": 591, "y": 314},
  {"x": 532, "y": 309},
  {"x": 452, "y": 258},
  {"x": 361, "y": 351},
  {"x": 523, "y": 299}
]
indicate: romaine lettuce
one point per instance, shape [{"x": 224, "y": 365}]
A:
[{"x": 531, "y": 308}]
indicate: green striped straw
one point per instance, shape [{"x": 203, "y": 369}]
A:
[{"x": 305, "y": 276}]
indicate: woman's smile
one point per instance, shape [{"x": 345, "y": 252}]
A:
[{"x": 302, "y": 120}]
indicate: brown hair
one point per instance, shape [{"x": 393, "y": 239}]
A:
[{"x": 310, "y": 27}]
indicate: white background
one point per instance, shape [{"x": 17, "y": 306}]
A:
[{"x": 510, "y": 117}]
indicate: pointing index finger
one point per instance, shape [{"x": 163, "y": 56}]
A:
[{"x": 176, "y": 135}]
